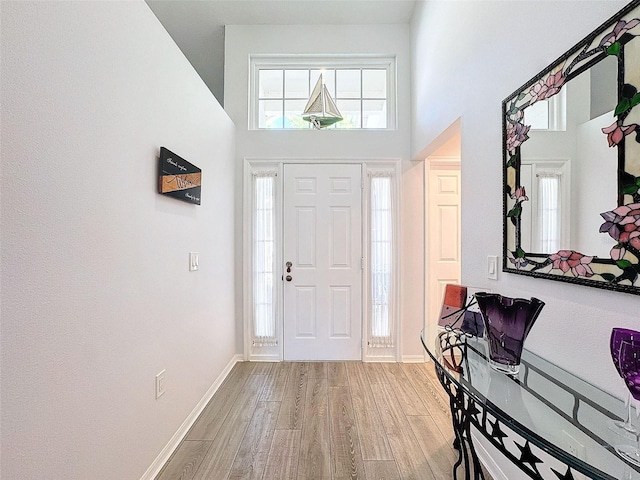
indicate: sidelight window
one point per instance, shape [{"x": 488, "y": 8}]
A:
[
  {"x": 549, "y": 211},
  {"x": 381, "y": 260},
  {"x": 264, "y": 285}
]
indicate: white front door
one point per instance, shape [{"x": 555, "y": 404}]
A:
[{"x": 323, "y": 243}]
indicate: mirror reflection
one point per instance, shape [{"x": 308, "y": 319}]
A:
[{"x": 565, "y": 160}]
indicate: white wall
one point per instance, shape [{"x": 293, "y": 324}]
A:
[
  {"x": 466, "y": 58},
  {"x": 242, "y": 41},
  {"x": 97, "y": 297}
]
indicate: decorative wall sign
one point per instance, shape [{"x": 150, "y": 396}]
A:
[{"x": 179, "y": 178}]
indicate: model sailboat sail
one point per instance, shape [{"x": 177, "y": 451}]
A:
[{"x": 321, "y": 110}]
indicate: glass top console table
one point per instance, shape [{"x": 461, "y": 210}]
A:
[{"x": 549, "y": 423}]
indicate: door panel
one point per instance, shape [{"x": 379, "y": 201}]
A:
[
  {"x": 340, "y": 312},
  {"x": 306, "y": 242},
  {"x": 340, "y": 239},
  {"x": 323, "y": 241},
  {"x": 305, "y": 309},
  {"x": 448, "y": 245}
]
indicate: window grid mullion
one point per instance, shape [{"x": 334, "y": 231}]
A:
[
  {"x": 335, "y": 91},
  {"x": 284, "y": 93},
  {"x": 309, "y": 87},
  {"x": 361, "y": 102}
]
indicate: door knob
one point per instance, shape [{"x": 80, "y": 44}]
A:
[{"x": 288, "y": 278}]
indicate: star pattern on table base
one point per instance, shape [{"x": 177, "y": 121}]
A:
[
  {"x": 497, "y": 433},
  {"x": 527, "y": 456},
  {"x": 567, "y": 476},
  {"x": 472, "y": 410}
]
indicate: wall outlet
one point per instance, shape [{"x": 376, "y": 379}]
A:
[
  {"x": 574, "y": 447},
  {"x": 160, "y": 384}
]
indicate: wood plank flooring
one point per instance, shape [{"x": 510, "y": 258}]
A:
[{"x": 320, "y": 420}]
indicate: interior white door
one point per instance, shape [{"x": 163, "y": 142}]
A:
[
  {"x": 443, "y": 236},
  {"x": 323, "y": 243}
]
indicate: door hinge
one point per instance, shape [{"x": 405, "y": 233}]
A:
[{"x": 361, "y": 263}]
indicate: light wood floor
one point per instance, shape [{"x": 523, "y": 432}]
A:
[{"x": 321, "y": 420}]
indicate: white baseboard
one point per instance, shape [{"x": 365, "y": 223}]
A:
[
  {"x": 166, "y": 452},
  {"x": 413, "y": 359},
  {"x": 265, "y": 358},
  {"x": 487, "y": 460}
]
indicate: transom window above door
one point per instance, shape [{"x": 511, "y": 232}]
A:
[{"x": 363, "y": 90}]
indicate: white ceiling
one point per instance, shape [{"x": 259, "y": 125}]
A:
[{"x": 197, "y": 26}]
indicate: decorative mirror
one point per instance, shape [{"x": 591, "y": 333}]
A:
[{"x": 571, "y": 147}]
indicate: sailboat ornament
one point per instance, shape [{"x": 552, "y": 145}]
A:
[{"x": 321, "y": 110}]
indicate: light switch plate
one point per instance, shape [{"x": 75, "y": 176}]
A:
[
  {"x": 160, "y": 384},
  {"x": 492, "y": 267},
  {"x": 194, "y": 261}
]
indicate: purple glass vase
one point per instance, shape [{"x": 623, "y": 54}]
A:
[{"x": 507, "y": 324}]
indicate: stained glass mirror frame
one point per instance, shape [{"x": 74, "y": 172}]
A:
[{"x": 621, "y": 270}]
